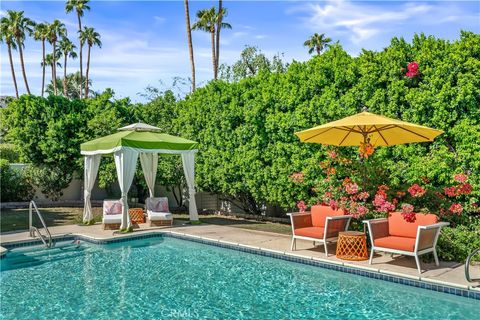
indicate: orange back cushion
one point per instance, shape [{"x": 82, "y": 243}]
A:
[
  {"x": 398, "y": 227},
  {"x": 320, "y": 214}
]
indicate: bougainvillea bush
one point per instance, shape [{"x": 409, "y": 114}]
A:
[{"x": 359, "y": 186}]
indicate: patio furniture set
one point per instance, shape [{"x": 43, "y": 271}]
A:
[
  {"x": 157, "y": 213},
  {"x": 393, "y": 234}
]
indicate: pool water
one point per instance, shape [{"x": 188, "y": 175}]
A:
[{"x": 169, "y": 278}]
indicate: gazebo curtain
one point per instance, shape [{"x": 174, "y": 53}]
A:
[
  {"x": 125, "y": 162},
  {"x": 92, "y": 163},
  {"x": 188, "y": 160},
  {"x": 149, "y": 163}
]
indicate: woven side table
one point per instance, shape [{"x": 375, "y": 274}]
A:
[
  {"x": 136, "y": 215},
  {"x": 352, "y": 245}
]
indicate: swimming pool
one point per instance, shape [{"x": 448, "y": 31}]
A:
[{"x": 170, "y": 278}]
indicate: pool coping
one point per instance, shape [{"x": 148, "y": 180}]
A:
[{"x": 369, "y": 272}]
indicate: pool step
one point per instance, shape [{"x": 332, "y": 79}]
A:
[{"x": 28, "y": 258}]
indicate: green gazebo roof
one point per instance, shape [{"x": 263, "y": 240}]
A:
[{"x": 145, "y": 139}]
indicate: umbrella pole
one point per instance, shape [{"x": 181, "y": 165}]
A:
[{"x": 364, "y": 165}]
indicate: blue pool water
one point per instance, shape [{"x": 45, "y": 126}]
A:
[{"x": 169, "y": 278}]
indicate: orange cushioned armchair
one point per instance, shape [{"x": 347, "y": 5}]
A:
[
  {"x": 395, "y": 235},
  {"x": 322, "y": 224}
]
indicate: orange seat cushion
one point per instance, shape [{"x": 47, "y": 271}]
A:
[
  {"x": 397, "y": 243},
  {"x": 398, "y": 227},
  {"x": 320, "y": 213},
  {"x": 311, "y": 232}
]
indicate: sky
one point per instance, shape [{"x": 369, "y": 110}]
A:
[{"x": 145, "y": 42}]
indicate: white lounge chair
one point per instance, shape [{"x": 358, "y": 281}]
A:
[
  {"x": 158, "y": 212},
  {"x": 112, "y": 214}
]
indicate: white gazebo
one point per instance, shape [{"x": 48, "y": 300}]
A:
[{"x": 127, "y": 145}]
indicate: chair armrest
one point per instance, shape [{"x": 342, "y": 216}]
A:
[
  {"x": 435, "y": 226},
  {"x": 377, "y": 228},
  {"x": 298, "y": 213},
  {"x": 340, "y": 217}
]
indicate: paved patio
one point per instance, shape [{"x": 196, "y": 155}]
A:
[{"x": 449, "y": 273}]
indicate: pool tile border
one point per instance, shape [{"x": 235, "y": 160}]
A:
[{"x": 369, "y": 272}]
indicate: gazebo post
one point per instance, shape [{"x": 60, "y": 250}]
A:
[{"x": 91, "y": 165}]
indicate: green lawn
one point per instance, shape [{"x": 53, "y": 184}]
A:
[{"x": 17, "y": 219}]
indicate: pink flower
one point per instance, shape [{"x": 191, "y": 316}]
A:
[
  {"x": 363, "y": 195},
  {"x": 409, "y": 217},
  {"x": 332, "y": 154},
  {"x": 407, "y": 208},
  {"x": 460, "y": 177},
  {"x": 456, "y": 208},
  {"x": 386, "y": 207},
  {"x": 351, "y": 188},
  {"x": 297, "y": 177},
  {"x": 416, "y": 191},
  {"x": 465, "y": 188},
  {"x": 450, "y": 192},
  {"x": 333, "y": 204},
  {"x": 301, "y": 206},
  {"x": 327, "y": 195},
  {"x": 360, "y": 211},
  {"x": 412, "y": 69}
]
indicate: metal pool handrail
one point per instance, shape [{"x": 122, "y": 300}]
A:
[
  {"x": 467, "y": 266},
  {"x": 34, "y": 229}
]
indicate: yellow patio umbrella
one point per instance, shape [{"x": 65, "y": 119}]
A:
[{"x": 368, "y": 127}]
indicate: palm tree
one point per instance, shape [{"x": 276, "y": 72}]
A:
[
  {"x": 56, "y": 29},
  {"x": 20, "y": 26},
  {"x": 40, "y": 34},
  {"x": 219, "y": 27},
  {"x": 73, "y": 82},
  {"x": 92, "y": 38},
  {"x": 79, "y": 6},
  {"x": 52, "y": 63},
  {"x": 207, "y": 20},
  {"x": 190, "y": 44},
  {"x": 317, "y": 42},
  {"x": 6, "y": 35},
  {"x": 67, "y": 48}
]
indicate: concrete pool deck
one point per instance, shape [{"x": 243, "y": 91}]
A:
[{"x": 448, "y": 273}]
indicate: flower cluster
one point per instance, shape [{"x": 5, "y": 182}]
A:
[
  {"x": 351, "y": 188},
  {"x": 301, "y": 206},
  {"x": 297, "y": 177},
  {"x": 416, "y": 191},
  {"x": 366, "y": 149},
  {"x": 407, "y": 212},
  {"x": 456, "y": 208},
  {"x": 412, "y": 68}
]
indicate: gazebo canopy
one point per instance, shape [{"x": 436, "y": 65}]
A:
[
  {"x": 133, "y": 141},
  {"x": 142, "y": 140}
]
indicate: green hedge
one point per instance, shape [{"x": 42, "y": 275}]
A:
[{"x": 15, "y": 185}]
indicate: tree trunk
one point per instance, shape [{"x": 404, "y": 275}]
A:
[
  {"x": 219, "y": 27},
  {"x": 54, "y": 68},
  {"x": 43, "y": 66},
  {"x": 318, "y": 50},
  {"x": 88, "y": 69},
  {"x": 214, "y": 59},
  {"x": 65, "y": 74},
  {"x": 22, "y": 63},
  {"x": 80, "y": 49},
  {"x": 190, "y": 44},
  {"x": 12, "y": 68}
]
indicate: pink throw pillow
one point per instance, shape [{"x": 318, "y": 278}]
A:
[
  {"x": 113, "y": 208},
  {"x": 161, "y": 206}
]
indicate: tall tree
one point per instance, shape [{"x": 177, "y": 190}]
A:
[
  {"x": 6, "y": 35},
  {"x": 219, "y": 27},
  {"x": 20, "y": 26},
  {"x": 52, "y": 62},
  {"x": 67, "y": 48},
  {"x": 190, "y": 44},
  {"x": 55, "y": 30},
  {"x": 207, "y": 21},
  {"x": 80, "y": 6},
  {"x": 92, "y": 38},
  {"x": 317, "y": 42},
  {"x": 40, "y": 34}
]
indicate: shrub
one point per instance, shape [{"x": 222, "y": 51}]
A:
[
  {"x": 455, "y": 244},
  {"x": 9, "y": 152},
  {"x": 15, "y": 186},
  {"x": 50, "y": 180}
]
